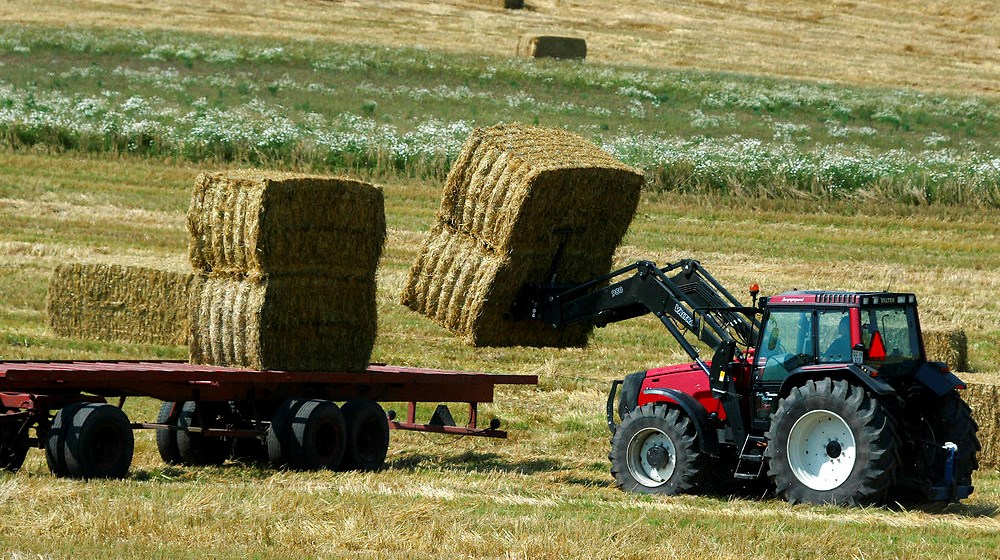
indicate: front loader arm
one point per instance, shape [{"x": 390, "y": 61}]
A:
[{"x": 690, "y": 301}]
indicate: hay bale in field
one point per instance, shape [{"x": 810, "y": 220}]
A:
[
  {"x": 128, "y": 300},
  {"x": 984, "y": 399},
  {"x": 549, "y": 46},
  {"x": 291, "y": 323},
  {"x": 514, "y": 194},
  {"x": 251, "y": 222},
  {"x": 949, "y": 346}
]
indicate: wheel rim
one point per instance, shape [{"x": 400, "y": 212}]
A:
[
  {"x": 652, "y": 457},
  {"x": 821, "y": 450}
]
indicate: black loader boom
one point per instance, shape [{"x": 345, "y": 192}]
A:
[{"x": 682, "y": 295}]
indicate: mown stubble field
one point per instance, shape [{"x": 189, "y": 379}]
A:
[{"x": 109, "y": 109}]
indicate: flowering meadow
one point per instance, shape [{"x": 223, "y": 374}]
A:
[{"x": 376, "y": 110}]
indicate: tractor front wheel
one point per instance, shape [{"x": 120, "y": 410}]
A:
[
  {"x": 830, "y": 442},
  {"x": 654, "y": 451}
]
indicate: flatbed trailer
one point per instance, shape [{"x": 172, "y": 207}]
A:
[{"x": 211, "y": 413}]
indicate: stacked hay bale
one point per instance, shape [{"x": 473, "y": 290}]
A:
[
  {"x": 141, "y": 300},
  {"x": 950, "y": 346},
  {"x": 514, "y": 194},
  {"x": 549, "y": 46},
  {"x": 983, "y": 396},
  {"x": 289, "y": 266}
]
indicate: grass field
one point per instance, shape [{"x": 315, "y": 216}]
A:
[{"x": 781, "y": 180}]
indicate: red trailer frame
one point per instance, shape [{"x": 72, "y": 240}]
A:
[{"x": 31, "y": 390}]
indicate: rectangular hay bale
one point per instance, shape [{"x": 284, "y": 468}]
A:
[
  {"x": 984, "y": 399},
  {"x": 550, "y": 46},
  {"x": 513, "y": 196},
  {"x": 254, "y": 222},
  {"x": 288, "y": 323},
  {"x": 467, "y": 289},
  {"x": 143, "y": 301},
  {"x": 950, "y": 346}
]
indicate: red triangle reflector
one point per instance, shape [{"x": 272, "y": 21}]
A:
[{"x": 877, "y": 350}]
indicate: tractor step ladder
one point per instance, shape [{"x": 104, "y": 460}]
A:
[{"x": 751, "y": 463}]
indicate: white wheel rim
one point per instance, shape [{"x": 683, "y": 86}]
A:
[
  {"x": 821, "y": 450},
  {"x": 639, "y": 466}
]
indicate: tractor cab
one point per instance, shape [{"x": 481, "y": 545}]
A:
[{"x": 877, "y": 330}]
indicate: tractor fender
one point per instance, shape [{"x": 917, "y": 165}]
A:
[
  {"x": 693, "y": 409},
  {"x": 938, "y": 378},
  {"x": 850, "y": 372}
]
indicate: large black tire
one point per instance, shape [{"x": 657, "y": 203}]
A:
[
  {"x": 307, "y": 435},
  {"x": 166, "y": 440},
  {"x": 13, "y": 443},
  {"x": 953, "y": 422},
  {"x": 655, "y": 451},
  {"x": 279, "y": 433},
  {"x": 928, "y": 424},
  {"x": 831, "y": 442},
  {"x": 367, "y": 435},
  {"x": 55, "y": 443},
  {"x": 194, "y": 448},
  {"x": 99, "y": 443}
]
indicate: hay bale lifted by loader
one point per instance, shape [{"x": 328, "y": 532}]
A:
[{"x": 521, "y": 205}]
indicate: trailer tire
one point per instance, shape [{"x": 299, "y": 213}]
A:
[
  {"x": 166, "y": 440},
  {"x": 194, "y": 448},
  {"x": 55, "y": 442},
  {"x": 367, "y": 435},
  {"x": 319, "y": 436},
  {"x": 13, "y": 443},
  {"x": 99, "y": 443},
  {"x": 279, "y": 433},
  {"x": 654, "y": 451},
  {"x": 831, "y": 442}
]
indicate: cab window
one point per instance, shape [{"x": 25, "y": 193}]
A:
[
  {"x": 834, "y": 335},
  {"x": 786, "y": 343}
]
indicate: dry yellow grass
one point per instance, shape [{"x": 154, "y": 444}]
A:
[{"x": 934, "y": 45}]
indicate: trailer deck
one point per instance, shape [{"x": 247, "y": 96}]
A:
[{"x": 205, "y": 403}]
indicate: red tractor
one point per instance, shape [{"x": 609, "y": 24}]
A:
[{"x": 828, "y": 395}]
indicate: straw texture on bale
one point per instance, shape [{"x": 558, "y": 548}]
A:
[
  {"x": 549, "y": 46},
  {"x": 133, "y": 300},
  {"x": 984, "y": 399},
  {"x": 949, "y": 346},
  {"x": 291, "y": 323},
  {"x": 251, "y": 222},
  {"x": 513, "y": 194}
]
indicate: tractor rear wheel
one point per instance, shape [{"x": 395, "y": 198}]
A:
[
  {"x": 953, "y": 422},
  {"x": 830, "y": 442},
  {"x": 654, "y": 451}
]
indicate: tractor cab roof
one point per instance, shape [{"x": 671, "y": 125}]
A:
[{"x": 838, "y": 299}]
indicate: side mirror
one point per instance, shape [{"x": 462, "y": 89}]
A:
[{"x": 858, "y": 354}]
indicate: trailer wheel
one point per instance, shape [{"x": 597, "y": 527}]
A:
[
  {"x": 654, "y": 451},
  {"x": 55, "y": 442},
  {"x": 13, "y": 444},
  {"x": 367, "y": 435},
  {"x": 166, "y": 440},
  {"x": 195, "y": 448},
  {"x": 99, "y": 443},
  {"x": 307, "y": 435},
  {"x": 830, "y": 442}
]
